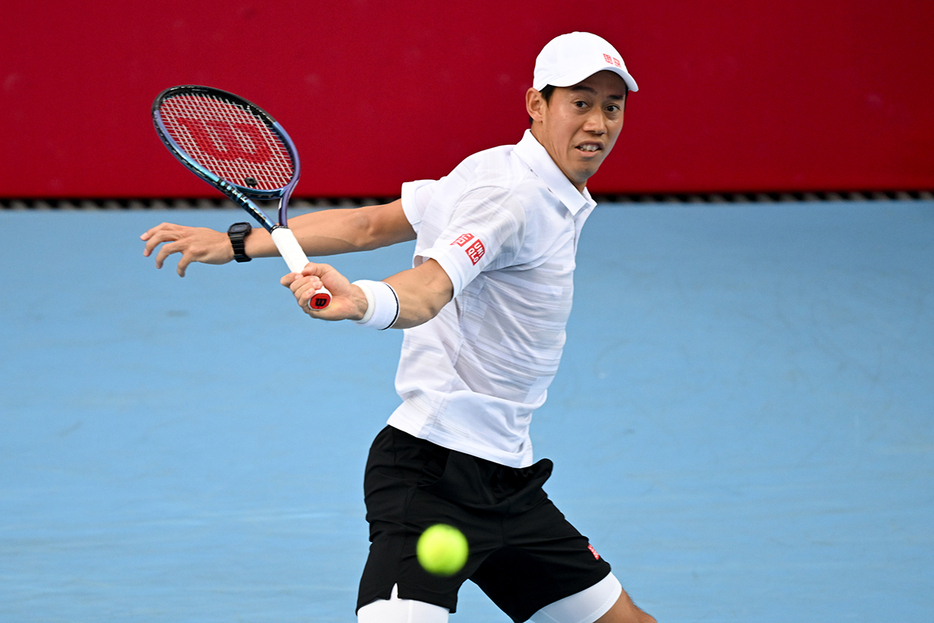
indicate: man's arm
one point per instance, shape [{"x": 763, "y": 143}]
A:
[
  {"x": 422, "y": 292},
  {"x": 325, "y": 232},
  {"x": 331, "y": 232}
]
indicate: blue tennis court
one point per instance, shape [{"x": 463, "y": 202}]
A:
[{"x": 743, "y": 422}]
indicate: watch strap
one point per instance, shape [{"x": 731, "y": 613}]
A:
[{"x": 237, "y": 234}]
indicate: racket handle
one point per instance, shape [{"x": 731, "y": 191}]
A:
[{"x": 296, "y": 259}]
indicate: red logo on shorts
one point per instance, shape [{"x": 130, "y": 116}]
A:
[
  {"x": 593, "y": 551},
  {"x": 475, "y": 251}
]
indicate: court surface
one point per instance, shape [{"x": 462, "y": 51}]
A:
[{"x": 743, "y": 422}]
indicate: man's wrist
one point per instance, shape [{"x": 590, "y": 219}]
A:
[
  {"x": 237, "y": 234},
  {"x": 383, "y": 306}
]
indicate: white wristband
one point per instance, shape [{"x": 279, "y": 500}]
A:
[{"x": 382, "y": 304}]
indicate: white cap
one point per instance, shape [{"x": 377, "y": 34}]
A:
[{"x": 572, "y": 58}]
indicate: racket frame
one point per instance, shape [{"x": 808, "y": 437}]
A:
[
  {"x": 282, "y": 236},
  {"x": 237, "y": 193}
]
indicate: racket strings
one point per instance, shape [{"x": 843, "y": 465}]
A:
[{"x": 228, "y": 140}]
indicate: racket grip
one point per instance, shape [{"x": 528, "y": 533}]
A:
[{"x": 295, "y": 257}]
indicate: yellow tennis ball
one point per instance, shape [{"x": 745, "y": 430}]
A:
[{"x": 442, "y": 550}]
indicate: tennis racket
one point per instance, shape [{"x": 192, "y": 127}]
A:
[{"x": 239, "y": 149}]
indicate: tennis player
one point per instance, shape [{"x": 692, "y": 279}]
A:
[{"x": 484, "y": 308}]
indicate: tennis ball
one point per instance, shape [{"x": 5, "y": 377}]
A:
[{"x": 442, "y": 550}]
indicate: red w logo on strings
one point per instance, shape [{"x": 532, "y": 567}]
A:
[{"x": 225, "y": 140}]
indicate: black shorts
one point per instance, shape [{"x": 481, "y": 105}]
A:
[{"x": 523, "y": 553}]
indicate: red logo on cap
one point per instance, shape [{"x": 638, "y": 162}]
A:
[{"x": 612, "y": 60}]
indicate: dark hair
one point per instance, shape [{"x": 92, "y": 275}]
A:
[{"x": 547, "y": 91}]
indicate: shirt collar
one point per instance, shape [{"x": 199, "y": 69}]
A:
[{"x": 536, "y": 157}]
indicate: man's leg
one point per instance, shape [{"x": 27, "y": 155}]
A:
[
  {"x": 624, "y": 611},
  {"x": 604, "y": 602},
  {"x": 395, "y": 610}
]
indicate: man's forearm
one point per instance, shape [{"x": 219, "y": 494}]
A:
[{"x": 336, "y": 231}]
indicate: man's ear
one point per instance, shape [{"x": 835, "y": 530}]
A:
[{"x": 535, "y": 104}]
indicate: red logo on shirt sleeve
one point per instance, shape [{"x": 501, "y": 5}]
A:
[
  {"x": 475, "y": 251},
  {"x": 463, "y": 239}
]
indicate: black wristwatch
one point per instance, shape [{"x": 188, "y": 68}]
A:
[{"x": 237, "y": 234}]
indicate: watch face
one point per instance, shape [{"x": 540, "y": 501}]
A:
[{"x": 239, "y": 228}]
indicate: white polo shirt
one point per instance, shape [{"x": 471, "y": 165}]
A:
[{"x": 504, "y": 226}]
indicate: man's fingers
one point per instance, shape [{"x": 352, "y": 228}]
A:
[
  {"x": 167, "y": 249},
  {"x": 151, "y": 243},
  {"x": 182, "y": 265}
]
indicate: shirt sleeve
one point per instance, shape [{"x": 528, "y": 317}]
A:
[
  {"x": 484, "y": 231},
  {"x": 415, "y": 197}
]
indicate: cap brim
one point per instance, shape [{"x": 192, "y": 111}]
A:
[{"x": 571, "y": 80}]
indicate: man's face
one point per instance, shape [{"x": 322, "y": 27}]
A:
[{"x": 580, "y": 125}]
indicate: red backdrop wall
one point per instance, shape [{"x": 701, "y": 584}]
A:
[{"x": 735, "y": 95}]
